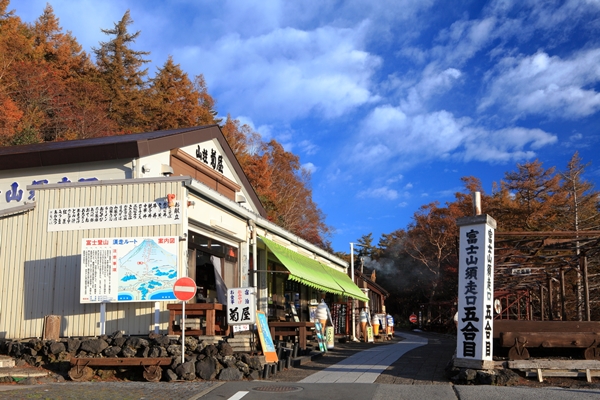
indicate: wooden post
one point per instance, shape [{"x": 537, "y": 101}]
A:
[
  {"x": 586, "y": 287},
  {"x": 562, "y": 295},
  {"x": 542, "y": 301},
  {"x": 529, "y": 306},
  {"x": 550, "y": 300}
]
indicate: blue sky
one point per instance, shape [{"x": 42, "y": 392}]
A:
[{"x": 388, "y": 103}]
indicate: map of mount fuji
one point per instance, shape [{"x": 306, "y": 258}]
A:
[{"x": 148, "y": 272}]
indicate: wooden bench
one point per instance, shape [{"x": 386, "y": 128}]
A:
[
  {"x": 293, "y": 329},
  {"x": 210, "y": 311},
  {"x": 520, "y": 335},
  {"x": 557, "y": 368},
  {"x": 81, "y": 371}
]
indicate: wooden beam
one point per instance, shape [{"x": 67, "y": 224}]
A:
[{"x": 550, "y": 233}]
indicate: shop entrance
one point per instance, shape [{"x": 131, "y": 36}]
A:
[{"x": 213, "y": 265}]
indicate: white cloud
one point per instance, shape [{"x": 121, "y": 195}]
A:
[
  {"x": 505, "y": 145},
  {"x": 310, "y": 167},
  {"x": 379, "y": 193},
  {"x": 395, "y": 179},
  {"x": 421, "y": 136},
  {"x": 324, "y": 71},
  {"x": 389, "y": 140},
  {"x": 465, "y": 38},
  {"x": 308, "y": 147},
  {"x": 575, "y": 137},
  {"x": 545, "y": 85},
  {"x": 432, "y": 83}
]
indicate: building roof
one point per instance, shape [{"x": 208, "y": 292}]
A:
[{"x": 129, "y": 146}]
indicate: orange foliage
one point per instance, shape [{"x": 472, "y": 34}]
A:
[{"x": 50, "y": 91}]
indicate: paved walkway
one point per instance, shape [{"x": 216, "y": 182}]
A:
[{"x": 366, "y": 366}]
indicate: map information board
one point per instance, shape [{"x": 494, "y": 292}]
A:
[{"x": 128, "y": 269}]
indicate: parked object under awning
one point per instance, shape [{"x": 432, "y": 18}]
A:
[{"x": 312, "y": 273}]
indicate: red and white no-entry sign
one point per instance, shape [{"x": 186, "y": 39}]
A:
[
  {"x": 184, "y": 288},
  {"x": 413, "y": 319}
]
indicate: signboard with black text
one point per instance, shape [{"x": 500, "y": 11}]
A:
[
  {"x": 475, "y": 288},
  {"x": 241, "y": 306}
]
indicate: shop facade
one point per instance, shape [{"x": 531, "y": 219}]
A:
[{"x": 95, "y": 231}]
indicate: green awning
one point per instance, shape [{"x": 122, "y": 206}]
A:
[
  {"x": 348, "y": 287},
  {"x": 312, "y": 273}
]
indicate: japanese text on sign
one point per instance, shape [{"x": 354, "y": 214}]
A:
[
  {"x": 476, "y": 292},
  {"x": 110, "y": 216},
  {"x": 241, "y": 306}
]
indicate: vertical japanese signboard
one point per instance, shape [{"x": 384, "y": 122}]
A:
[
  {"x": 475, "y": 288},
  {"x": 241, "y": 306}
]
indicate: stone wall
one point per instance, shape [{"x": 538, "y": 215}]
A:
[{"x": 204, "y": 359}]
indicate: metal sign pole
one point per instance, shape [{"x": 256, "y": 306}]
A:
[
  {"x": 156, "y": 317},
  {"x": 182, "y": 332},
  {"x": 102, "y": 318}
]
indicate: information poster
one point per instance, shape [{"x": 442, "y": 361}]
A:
[
  {"x": 266, "y": 341},
  {"x": 132, "y": 269}
]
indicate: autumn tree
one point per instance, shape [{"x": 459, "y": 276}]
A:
[
  {"x": 432, "y": 242},
  {"x": 48, "y": 89},
  {"x": 388, "y": 242},
  {"x": 14, "y": 44},
  {"x": 60, "y": 49},
  {"x": 280, "y": 182},
  {"x": 121, "y": 71},
  {"x": 175, "y": 101},
  {"x": 291, "y": 205},
  {"x": 207, "y": 114},
  {"x": 580, "y": 210},
  {"x": 530, "y": 199}
]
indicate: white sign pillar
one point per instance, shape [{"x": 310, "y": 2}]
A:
[{"x": 475, "y": 292}]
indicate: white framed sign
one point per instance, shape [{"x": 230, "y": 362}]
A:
[
  {"x": 114, "y": 215},
  {"x": 476, "y": 288},
  {"x": 132, "y": 269},
  {"x": 241, "y": 306}
]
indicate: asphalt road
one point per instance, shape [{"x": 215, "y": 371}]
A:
[
  {"x": 418, "y": 373},
  {"x": 261, "y": 390}
]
